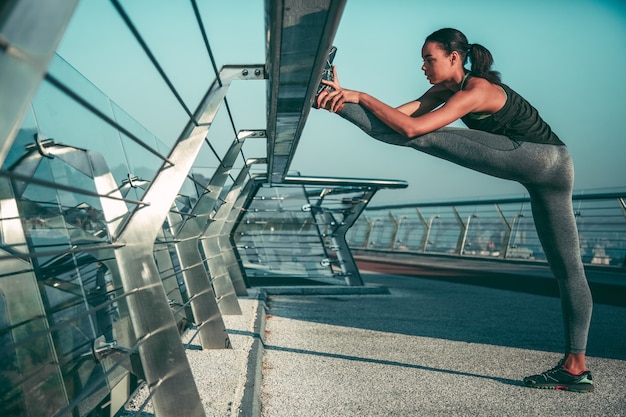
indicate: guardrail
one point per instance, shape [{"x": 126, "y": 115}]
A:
[
  {"x": 112, "y": 233},
  {"x": 499, "y": 228},
  {"x": 297, "y": 229}
]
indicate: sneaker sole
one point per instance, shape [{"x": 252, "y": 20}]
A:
[
  {"x": 582, "y": 388},
  {"x": 328, "y": 68}
]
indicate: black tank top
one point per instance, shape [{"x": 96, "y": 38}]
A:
[{"x": 517, "y": 119}]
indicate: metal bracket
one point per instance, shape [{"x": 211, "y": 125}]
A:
[
  {"x": 41, "y": 142},
  {"x": 103, "y": 349}
]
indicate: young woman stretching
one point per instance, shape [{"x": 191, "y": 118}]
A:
[{"x": 507, "y": 139}]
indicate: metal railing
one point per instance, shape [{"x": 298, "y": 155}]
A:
[
  {"x": 115, "y": 228},
  {"x": 501, "y": 228},
  {"x": 86, "y": 245},
  {"x": 297, "y": 229}
]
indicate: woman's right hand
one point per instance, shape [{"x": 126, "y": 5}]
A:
[{"x": 334, "y": 98}]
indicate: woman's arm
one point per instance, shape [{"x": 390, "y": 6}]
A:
[
  {"x": 429, "y": 101},
  {"x": 456, "y": 107},
  {"x": 423, "y": 119}
]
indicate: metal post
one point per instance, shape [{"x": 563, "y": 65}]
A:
[
  {"x": 191, "y": 231},
  {"x": 396, "y": 230},
  {"x": 463, "y": 226},
  {"x": 216, "y": 242},
  {"x": 352, "y": 275},
  {"x": 508, "y": 231},
  {"x": 370, "y": 229},
  {"x": 231, "y": 257},
  {"x": 427, "y": 227}
]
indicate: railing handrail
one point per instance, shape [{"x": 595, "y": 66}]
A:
[
  {"x": 511, "y": 200},
  {"x": 493, "y": 227}
]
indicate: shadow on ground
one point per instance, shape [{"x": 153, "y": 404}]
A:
[{"x": 432, "y": 308}]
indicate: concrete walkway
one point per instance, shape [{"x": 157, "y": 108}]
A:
[
  {"x": 401, "y": 346},
  {"x": 429, "y": 348}
]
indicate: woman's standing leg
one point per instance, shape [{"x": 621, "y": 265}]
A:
[
  {"x": 556, "y": 226},
  {"x": 553, "y": 213}
]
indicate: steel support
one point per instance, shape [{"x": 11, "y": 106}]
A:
[
  {"x": 226, "y": 273},
  {"x": 166, "y": 368},
  {"x": 236, "y": 214},
  {"x": 463, "y": 227},
  {"x": 508, "y": 231}
]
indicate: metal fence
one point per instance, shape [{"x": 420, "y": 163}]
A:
[
  {"x": 491, "y": 229},
  {"x": 108, "y": 229}
]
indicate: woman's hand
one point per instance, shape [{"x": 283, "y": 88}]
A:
[{"x": 334, "y": 98}]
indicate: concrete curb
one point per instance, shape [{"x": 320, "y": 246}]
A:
[
  {"x": 250, "y": 405},
  {"x": 325, "y": 290}
]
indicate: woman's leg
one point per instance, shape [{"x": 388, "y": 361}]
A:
[
  {"x": 545, "y": 170},
  {"x": 556, "y": 227},
  {"x": 480, "y": 151}
]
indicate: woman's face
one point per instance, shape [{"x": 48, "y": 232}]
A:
[{"x": 437, "y": 65}]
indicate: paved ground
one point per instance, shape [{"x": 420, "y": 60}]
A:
[
  {"x": 430, "y": 348},
  {"x": 222, "y": 376},
  {"x": 401, "y": 346}
]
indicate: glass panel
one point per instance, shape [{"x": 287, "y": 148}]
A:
[
  {"x": 25, "y": 137},
  {"x": 11, "y": 395},
  {"x": 357, "y": 235},
  {"x": 412, "y": 234},
  {"x": 16, "y": 83},
  {"x": 77, "y": 289},
  {"x": 123, "y": 66},
  {"x": 602, "y": 230},
  {"x": 32, "y": 33},
  {"x": 279, "y": 238},
  {"x": 67, "y": 75},
  {"x": 65, "y": 121}
]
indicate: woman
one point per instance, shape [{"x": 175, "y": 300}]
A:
[{"x": 507, "y": 139}]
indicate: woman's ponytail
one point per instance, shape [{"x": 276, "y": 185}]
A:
[{"x": 482, "y": 60}]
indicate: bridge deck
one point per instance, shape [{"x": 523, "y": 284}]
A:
[{"x": 428, "y": 346}]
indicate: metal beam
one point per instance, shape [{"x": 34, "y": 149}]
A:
[{"x": 300, "y": 33}]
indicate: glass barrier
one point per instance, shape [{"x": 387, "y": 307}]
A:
[
  {"x": 79, "y": 343},
  {"x": 68, "y": 342},
  {"x": 68, "y": 279},
  {"x": 279, "y": 235}
]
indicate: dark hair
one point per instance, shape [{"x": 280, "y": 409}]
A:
[{"x": 452, "y": 40}]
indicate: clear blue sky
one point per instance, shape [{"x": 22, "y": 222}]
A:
[{"x": 566, "y": 57}]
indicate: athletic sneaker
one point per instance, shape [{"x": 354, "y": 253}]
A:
[
  {"x": 326, "y": 75},
  {"x": 560, "y": 378}
]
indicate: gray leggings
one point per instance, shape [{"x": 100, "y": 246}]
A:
[{"x": 547, "y": 173}]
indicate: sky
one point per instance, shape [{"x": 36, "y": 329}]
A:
[{"x": 567, "y": 58}]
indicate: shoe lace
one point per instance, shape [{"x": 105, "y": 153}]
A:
[{"x": 557, "y": 368}]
